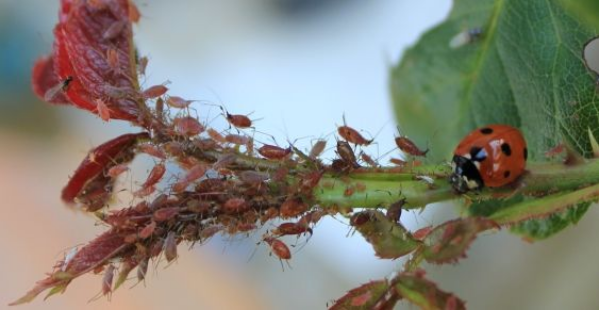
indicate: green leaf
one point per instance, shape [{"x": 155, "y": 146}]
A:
[
  {"x": 526, "y": 70},
  {"x": 389, "y": 239},
  {"x": 538, "y": 229}
]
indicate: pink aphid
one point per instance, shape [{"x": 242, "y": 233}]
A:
[
  {"x": 112, "y": 57},
  {"x": 142, "y": 64},
  {"x": 178, "y": 102},
  {"x": 216, "y": 136},
  {"x": 155, "y": 175},
  {"x": 180, "y": 186},
  {"x": 170, "y": 247},
  {"x": 117, "y": 170},
  {"x": 187, "y": 126},
  {"x": 103, "y": 110},
  {"x": 152, "y": 150},
  {"x": 114, "y": 30},
  {"x": 165, "y": 214},
  {"x": 147, "y": 231},
  {"x": 195, "y": 173},
  {"x": 144, "y": 191},
  {"x": 107, "y": 280},
  {"x": 154, "y": 91},
  {"x": 237, "y": 139},
  {"x": 117, "y": 92}
]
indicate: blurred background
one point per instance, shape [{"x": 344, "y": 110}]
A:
[{"x": 298, "y": 66}]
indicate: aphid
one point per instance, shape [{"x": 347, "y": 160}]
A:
[
  {"x": 209, "y": 231},
  {"x": 285, "y": 229},
  {"x": 352, "y": 136},
  {"x": 142, "y": 65},
  {"x": 68, "y": 258},
  {"x": 492, "y": 156},
  {"x": 394, "y": 210},
  {"x": 407, "y": 146},
  {"x": 278, "y": 247},
  {"x": 465, "y": 37},
  {"x": 349, "y": 191},
  {"x": 165, "y": 214},
  {"x": 173, "y": 148},
  {"x": 421, "y": 233},
  {"x": 180, "y": 186},
  {"x": 178, "y": 102},
  {"x": 292, "y": 207},
  {"x": 360, "y": 187},
  {"x": 114, "y": 30},
  {"x": 117, "y": 170},
  {"x": 158, "y": 202},
  {"x": 170, "y": 246},
  {"x": 224, "y": 160},
  {"x": 253, "y": 177},
  {"x": 558, "y": 149},
  {"x": 134, "y": 14},
  {"x": 238, "y": 120},
  {"x": 147, "y": 231},
  {"x": 152, "y": 150},
  {"x": 142, "y": 269},
  {"x": 346, "y": 153},
  {"x": 311, "y": 217},
  {"x": 60, "y": 87},
  {"x": 367, "y": 159},
  {"x": 311, "y": 179},
  {"x": 216, "y": 136},
  {"x": 198, "y": 206},
  {"x": 317, "y": 149},
  {"x": 205, "y": 144},
  {"x": 360, "y": 218},
  {"x": 154, "y": 91},
  {"x": 397, "y": 161},
  {"x": 107, "y": 280},
  {"x": 235, "y": 205},
  {"x": 155, "y": 175},
  {"x": 237, "y": 139},
  {"x": 112, "y": 57},
  {"x": 274, "y": 152},
  {"x": 117, "y": 92},
  {"x": 187, "y": 126},
  {"x": 103, "y": 110},
  {"x": 144, "y": 191},
  {"x": 196, "y": 172}
]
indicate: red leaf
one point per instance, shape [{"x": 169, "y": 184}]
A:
[
  {"x": 425, "y": 294},
  {"x": 448, "y": 242},
  {"x": 90, "y": 175},
  {"x": 45, "y": 80},
  {"x": 83, "y": 38},
  {"x": 366, "y": 296},
  {"x": 95, "y": 254}
]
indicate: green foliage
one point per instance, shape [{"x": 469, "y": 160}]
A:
[{"x": 526, "y": 70}]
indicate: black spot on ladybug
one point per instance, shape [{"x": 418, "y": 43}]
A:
[
  {"x": 506, "y": 174},
  {"x": 506, "y": 149},
  {"x": 525, "y": 153},
  {"x": 486, "y": 131},
  {"x": 477, "y": 153}
]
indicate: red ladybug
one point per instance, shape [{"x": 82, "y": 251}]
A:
[{"x": 492, "y": 156}]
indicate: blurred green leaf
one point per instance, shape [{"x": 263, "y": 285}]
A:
[
  {"x": 526, "y": 71},
  {"x": 538, "y": 229}
]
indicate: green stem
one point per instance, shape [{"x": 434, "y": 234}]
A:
[{"x": 384, "y": 186}]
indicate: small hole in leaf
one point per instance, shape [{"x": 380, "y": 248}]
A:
[{"x": 591, "y": 55}]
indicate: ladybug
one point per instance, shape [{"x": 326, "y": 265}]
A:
[{"x": 491, "y": 156}]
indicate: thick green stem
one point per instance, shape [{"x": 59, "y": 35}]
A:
[{"x": 385, "y": 186}]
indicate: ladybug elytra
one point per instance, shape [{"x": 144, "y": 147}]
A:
[{"x": 491, "y": 156}]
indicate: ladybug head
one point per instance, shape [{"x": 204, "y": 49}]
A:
[{"x": 465, "y": 175}]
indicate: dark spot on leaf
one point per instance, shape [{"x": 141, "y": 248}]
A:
[
  {"x": 486, "y": 131},
  {"x": 506, "y": 149},
  {"x": 525, "y": 153},
  {"x": 506, "y": 174}
]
